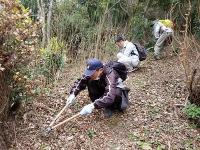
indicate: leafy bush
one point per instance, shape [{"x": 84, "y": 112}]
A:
[
  {"x": 110, "y": 48},
  {"x": 69, "y": 18},
  {"x": 18, "y": 39},
  {"x": 32, "y": 5},
  {"x": 141, "y": 29},
  {"x": 52, "y": 59},
  {"x": 196, "y": 26},
  {"x": 192, "y": 111}
]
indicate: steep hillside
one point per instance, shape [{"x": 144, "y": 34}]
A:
[{"x": 154, "y": 119}]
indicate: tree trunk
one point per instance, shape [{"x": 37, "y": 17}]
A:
[
  {"x": 41, "y": 15},
  {"x": 194, "y": 89},
  {"x": 49, "y": 21}
]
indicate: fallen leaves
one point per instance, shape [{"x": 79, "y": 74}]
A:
[{"x": 149, "y": 123}]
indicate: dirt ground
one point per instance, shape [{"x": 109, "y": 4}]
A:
[{"x": 154, "y": 119}]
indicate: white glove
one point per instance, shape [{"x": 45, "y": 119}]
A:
[
  {"x": 70, "y": 100},
  {"x": 87, "y": 109}
]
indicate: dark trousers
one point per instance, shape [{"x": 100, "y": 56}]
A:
[{"x": 96, "y": 90}]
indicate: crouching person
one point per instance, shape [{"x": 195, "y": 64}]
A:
[
  {"x": 128, "y": 54},
  {"x": 105, "y": 88}
]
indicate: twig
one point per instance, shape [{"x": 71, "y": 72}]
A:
[
  {"x": 112, "y": 6},
  {"x": 186, "y": 100},
  {"x": 172, "y": 9},
  {"x": 90, "y": 144},
  {"x": 57, "y": 76},
  {"x": 169, "y": 145},
  {"x": 123, "y": 9},
  {"x": 147, "y": 6},
  {"x": 175, "y": 111},
  {"x": 15, "y": 135},
  {"x": 179, "y": 105}
]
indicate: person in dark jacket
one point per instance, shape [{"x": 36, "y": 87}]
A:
[{"x": 105, "y": 89}]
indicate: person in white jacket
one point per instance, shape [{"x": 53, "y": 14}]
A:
[
  {"x": 128, "y": 54},
  {"x": 161, "y": 34}
]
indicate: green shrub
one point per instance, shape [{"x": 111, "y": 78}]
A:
[
  {"x": 52, "y": 59},
  {"x": 192, "y": 111},
  {"x": 110, "y": 48},
  {"x": 16, "y": 55},
  {"x": 32, "y": 5},
  {"x": 141, "y": 30},
  {"x": 69, "y": 18}
]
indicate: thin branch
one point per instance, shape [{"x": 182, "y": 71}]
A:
[
  {"x": 172, "y": 9},
  {"x": 123, "y": 9},
  {"x": 147, "y": 6},
  {"x": 111, "y": 7}
]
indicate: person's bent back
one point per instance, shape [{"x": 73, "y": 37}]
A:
[
  {"x": 104, "y": 87},
  {"x": 162, "y": 30},
  {"x": 128, "y": 54}
]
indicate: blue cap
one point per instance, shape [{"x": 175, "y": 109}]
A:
[{"x": 92, "y": 65}]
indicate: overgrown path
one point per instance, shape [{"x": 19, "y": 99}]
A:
[{"x": 153, "y": 121}]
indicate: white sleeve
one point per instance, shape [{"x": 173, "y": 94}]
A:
[
  {"x": 163, "y": 28},
  {"x": 156, "y": 30},
  {"x": 129, "y": 48}
]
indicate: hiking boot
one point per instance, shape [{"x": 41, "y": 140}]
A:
[{"x": 108, "y": 112}]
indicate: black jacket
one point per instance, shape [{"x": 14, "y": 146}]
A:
[{"x": 108, "y": 83}]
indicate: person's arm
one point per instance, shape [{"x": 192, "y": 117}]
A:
[
  {"x": 79, "y": 85},
  {"x": 130, "y": 47},
  {"x": 157, "y": 28},
  {"x": 110, "y": 92},
  {"x": 163, "y": 28}
]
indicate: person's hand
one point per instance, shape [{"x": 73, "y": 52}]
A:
[
  {"x": 87, "y": 109},
  {"x": 71, "y": 100}
]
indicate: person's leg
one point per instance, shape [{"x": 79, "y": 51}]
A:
[
  {"x": 121, "y": 100},
  {"x": 127, "y": 61},
  {"x": 168, "y": 40},
  {"x": 95, "y": 89},
  {"x": 159, "y": 44},
  {"x": 135, "y": 63},
  {"x": 108, "y": 112},
  {"x": 116, "y": 106},
  {"x": 125, "y": 99}
]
